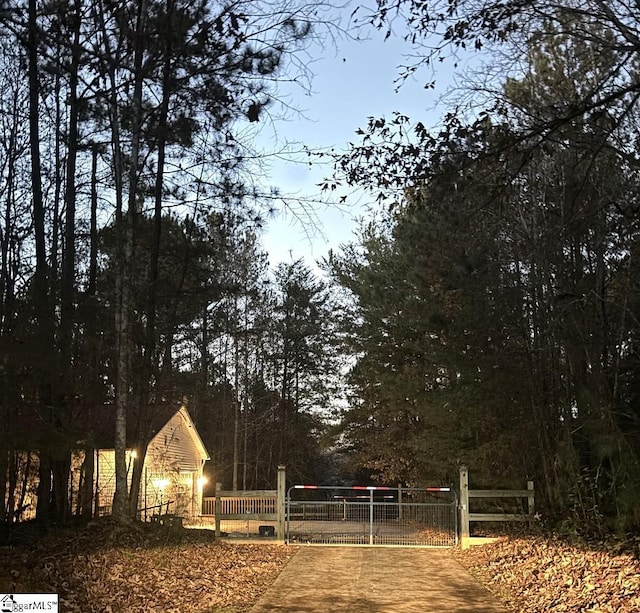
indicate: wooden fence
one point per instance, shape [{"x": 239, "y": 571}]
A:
[
  {"x": 466, "y": 516},
  {"x": 249, "y": 505}
]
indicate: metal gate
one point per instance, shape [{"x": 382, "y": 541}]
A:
[{"x": 372, "y": 515}]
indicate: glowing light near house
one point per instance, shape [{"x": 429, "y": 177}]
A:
[
  {"x": 160, "y": 483},
  {"x": 201, "y": 482}
]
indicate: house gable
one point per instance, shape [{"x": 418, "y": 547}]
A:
[
  {"x": 173, "y": 468},
  {"x": 177, "y": 447}
]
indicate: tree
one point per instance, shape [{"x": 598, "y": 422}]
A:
[
  {"x": 495, "y": 37},
  {"x": 431, "y": 377},
  {"x": 134, "y": 110},
  {"x": 15, "y": 225},
  {"x": 507, "y": 260},
  {"x": 181, "y": 114},
  {"x": 574, "y": 271},
  {"x": 441, "y": 29},
  {"x": 302, "y": 354}
]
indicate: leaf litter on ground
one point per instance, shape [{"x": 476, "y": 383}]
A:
[
  {"x": 549, "y": 574},
  {"x": 104, "y": 567}
]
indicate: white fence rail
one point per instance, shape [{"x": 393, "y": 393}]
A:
[
  {"x": 466, "y": 516},
  {"x": 249, "y": 506},
  {"x": 262, "y": 502}
]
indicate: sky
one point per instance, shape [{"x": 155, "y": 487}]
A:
[{"x": 353, "y": 79}]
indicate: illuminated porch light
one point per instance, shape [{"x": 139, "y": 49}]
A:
[
  {"x": 160, "y": 483},
  {"x": 201, "y": 482}
]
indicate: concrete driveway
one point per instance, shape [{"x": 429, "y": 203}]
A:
[{"x": 375, "y": 580}]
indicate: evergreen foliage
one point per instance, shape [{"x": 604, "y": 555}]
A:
[
  {"x": 494, "y": 321},
  {"x": 131, "y": 270}
]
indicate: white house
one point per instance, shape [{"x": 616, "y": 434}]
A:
[
  {"x": 173, "y": 466},
  {"x": 172, "y": 471}
]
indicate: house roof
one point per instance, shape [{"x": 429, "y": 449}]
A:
[
  {"x": 96, "y": 425},
  {"x": 142, "y": 423}
]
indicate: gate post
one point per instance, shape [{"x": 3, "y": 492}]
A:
[
  {"x": 371, "y": 517},
  {"x": 280, "y": 508},
  {"x": 530, "y": 500},
  {"x": 218, "y": 509},
  {"x": 464, "y": 507}
]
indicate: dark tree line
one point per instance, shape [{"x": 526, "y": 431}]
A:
[
  {"x": 495, "y": 314},
  {"x": 131, "y": 271},
  {"x": 491, "y": 314}
]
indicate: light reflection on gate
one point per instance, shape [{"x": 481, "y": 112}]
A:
[{"x": 372, "y": 515}]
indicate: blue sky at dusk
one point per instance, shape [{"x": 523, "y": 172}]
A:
[{"x": 354, "y": 79}]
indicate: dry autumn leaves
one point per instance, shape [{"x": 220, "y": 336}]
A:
[
  {"x": 548, "y": 575},
  {"x": 104, "y": 568}
]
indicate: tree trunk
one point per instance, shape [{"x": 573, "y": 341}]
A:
[
  {"x": 62, "y": 454},
  {"x": 136, "y": 475},
  {"x": 236, "y": 398},
  {"x": 26, "y": 477},
  {"x": 88, "y": 464},
  {"x": 40, "y": 284},
  {"x": 150, "y": 370},
  {"x": 7, "y": 309},
  {"x": 121, "y": 504}
]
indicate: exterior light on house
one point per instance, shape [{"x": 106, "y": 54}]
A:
[
  {"x": 160, "y": 483},
  {"x": 201, "y": 482}
]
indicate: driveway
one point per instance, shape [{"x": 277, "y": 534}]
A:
[{"x": 375, "y": 580}]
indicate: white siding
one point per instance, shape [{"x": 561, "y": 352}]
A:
[
  {"x": 105, "y": 478},
  {"x": 174, "y": 469},
  {"x": 172, "y": 472},
  {"x": 173, "y": 448}
]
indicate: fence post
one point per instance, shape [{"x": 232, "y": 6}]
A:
[
  {"x": 218, "y": 508},
  {"x": 531, "y": 500},
  {"x": 371, "y": 517},
  {"x": 464, "y": 507},
  {"x": 280, "y": 505}
]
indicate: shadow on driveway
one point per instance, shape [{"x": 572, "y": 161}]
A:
[{"x": 375, "y": 580}]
